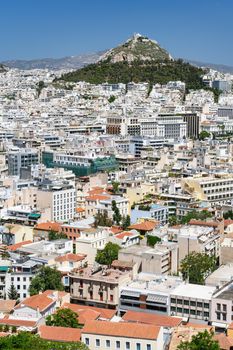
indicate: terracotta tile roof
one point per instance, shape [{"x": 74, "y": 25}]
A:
[
  {"x": 97, "y": 197},
  {"x": 48, "y": 226},
  {"x": 96, "y": 190},
  {"x": 16, "y": 246},
  {"x": 144, "y": 226},
  {"x": 87, "y": 315},
  {"x": 104, "y": 313},
  {"x": 62, "y": 334},
  {"x": 7, "y": 305},
  {"x": 2, "y": 334},
  {"x": 157, "y": 320},
  {"x": 40, "y": 301},
  {"x": 225, "y": 342},
  {"x": 230, "y": 325},
  {"x": 71, "y": 257},
  {"x": 124, "y": 234},
  {"x": 119, "y": 329},
  {"x": 228, "y": 222},
  {"x": 17, "y": 323},
  {"x": 203, "y": 223},
  {"x": 79, "y": 210},
  {"x": 116, "y": 229}
]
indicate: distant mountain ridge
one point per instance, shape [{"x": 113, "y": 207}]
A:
[{"x": 69, "y": 62}]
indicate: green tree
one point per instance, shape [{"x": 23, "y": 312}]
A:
[
  {"x": 102, "y": 219},
  {"x": 108, "y": 254},
  {"x": 228, "y": 215},
  {"x": 111, "y": 99},
  {"x": 204, "y": 135},
  {"x": 125, "y": 222},
  {"x": 47, "y": 278},
  {"x": 116, "y": 213},
  {"x": 115, "y": 187},
  {"x": 53, "y": 235},
  {"x": 63, "y": 318},
  {"x": 26, "y": 340},
  {"x": 197, "y": 266},
  {"x": 152, "y": 240},
  {"x": 6, "y": 328},
  {"x": 194, "y": 214},
  {"x": 13, "y": 329},
  {"x": 173, "y": 220},
  {"x": 39, "y": 87},
  {"x": 12, "y": 293},
  {"x": 201, "y": 341}
]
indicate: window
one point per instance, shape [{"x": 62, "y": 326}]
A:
[
  {"x": 24, "y": 287},
  {"x": 24, "y": 279},
  {"x": 224, "y": 317},
  {"x": 193, "y": 303},
  {"x": 87, "y": 341},
  {"x": 18, "y": 287},
  {"x": 12, "y": 279},
  {"x": 199, "y": 304},
  {"x": 97, "y": 342},
  {"x": 118, "y": 344},
  {"x": 218, "y": 307},
  {"x": 18, "y": 279},
  {"x": 206, "y": 306},
  {"x": 148, "y": 347},
  {"x": 173, "y": 300},
  {"x": 107, "y": 343},
  {"x": 224, "y": 307},
  {"x": 138, "y": 346},
  {"x": 24, "y": 295},
  {"x": 127, "y": 345},
  {"x": 179, "y": 301},
  {"x": 111, "y": 297}
]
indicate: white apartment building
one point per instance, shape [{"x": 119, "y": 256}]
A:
[
  {"x": 59, "y": 200},
  {"x": 192, "y": 301},
  {"x": 90, "y": 241}
]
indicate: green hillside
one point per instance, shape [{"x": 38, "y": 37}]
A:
[{"x": 138, "y": 71}]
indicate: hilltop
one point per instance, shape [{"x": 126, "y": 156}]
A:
[
  {"x": 137, "y": 48},
  {"x": 139, "y": 59}
]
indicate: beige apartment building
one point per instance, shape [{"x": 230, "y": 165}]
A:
[
  {"x": 200, "y": 239},
  {"x": 98, "y": 286},
  {"x": 217, "y": 189}
]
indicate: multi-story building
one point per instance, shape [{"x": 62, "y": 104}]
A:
[
  {"x": 148, "y": 293},
  {"x": 192, "y": 301},
  {"x": 122, "y": 335},
  {"x": 19, "y": 158},
  {"x": 98, "y": 286},
  {"x": 222, "y": 306},
  {"x": 58, "y": 199},
  {"x": 200, "y": 239},
  {"x": 162, "y": 259},
  {"x": 81, "y": 163},
  {"x": 155, "y": 211},
  {"x": 216, "y": 189}
]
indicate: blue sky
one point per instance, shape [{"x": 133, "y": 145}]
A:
[{"x": 195, "y": 29}]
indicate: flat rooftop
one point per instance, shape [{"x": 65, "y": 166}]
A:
[
  {"x": 194, "y": 291},
  {"x": 154, "y": 283},
  {"x": 100, "y": 274}
]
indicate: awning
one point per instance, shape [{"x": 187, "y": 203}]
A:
[
  {"x": 130, "y": 293},
  {"x": 157, "y": 298},
  {"x": 219, "y": 325}
]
